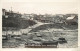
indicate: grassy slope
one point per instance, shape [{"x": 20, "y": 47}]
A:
[{"x": 17, "y": 22}]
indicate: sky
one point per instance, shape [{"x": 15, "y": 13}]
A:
[{"x": 42, "y": 7}]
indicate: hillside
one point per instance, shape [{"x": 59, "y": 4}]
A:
[{"x": 16, "y": 22}]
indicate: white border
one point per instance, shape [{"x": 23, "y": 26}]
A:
[{"x": 38, "y": 49}]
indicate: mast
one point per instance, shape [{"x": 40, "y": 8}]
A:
[{"x": 11, "y": 9}]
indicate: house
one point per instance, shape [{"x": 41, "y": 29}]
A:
[
  {"x": 28, "y": 16},
  {"x": 3, "y": 12},
  {"x": 46, "y": 19},
  {"x": 73, "y": 20},
  {"x": 7, "y": 14}
]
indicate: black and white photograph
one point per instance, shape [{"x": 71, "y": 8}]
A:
[{"x": 39, "y": 25}]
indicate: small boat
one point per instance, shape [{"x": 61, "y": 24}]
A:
[{"x": 62, "y": 40}]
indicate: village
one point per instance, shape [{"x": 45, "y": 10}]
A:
[{"x": 39, "y": 31}]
